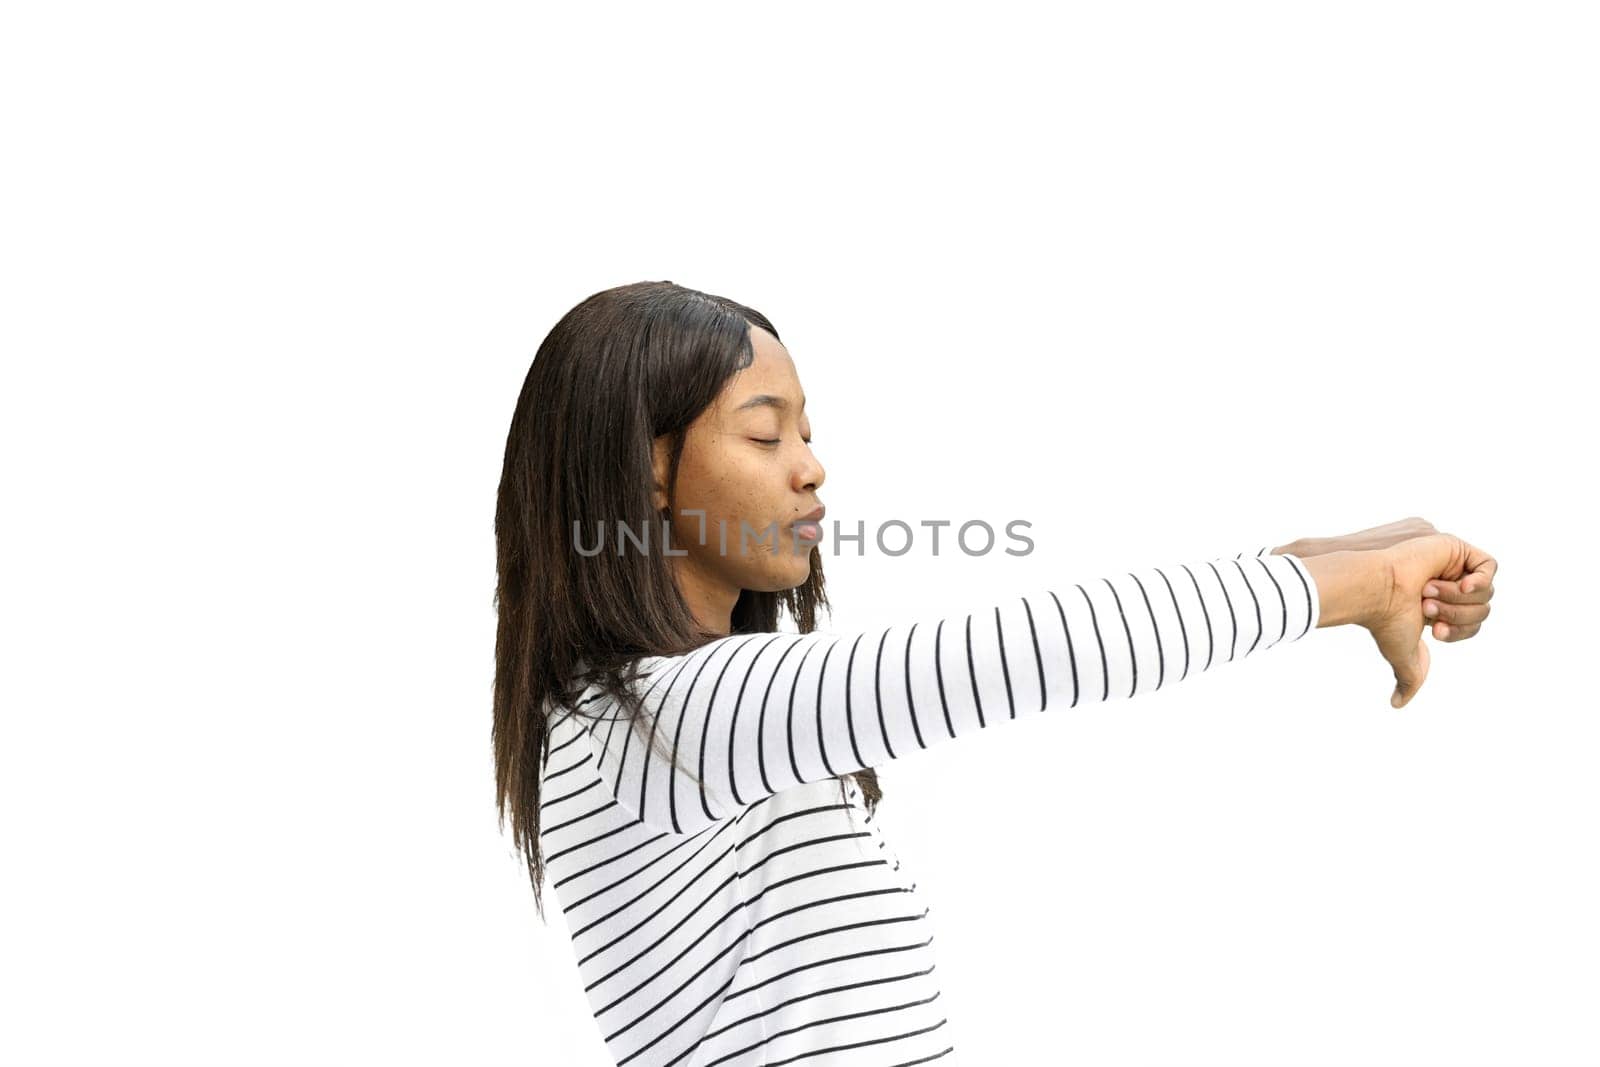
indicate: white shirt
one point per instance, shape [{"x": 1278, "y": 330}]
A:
[{"x": 738, "y": 909}]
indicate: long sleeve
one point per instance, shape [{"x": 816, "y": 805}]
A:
[{"x": 749, "y": 715}]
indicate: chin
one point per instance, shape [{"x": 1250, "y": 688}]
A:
[
  {"x": 792, "y": 574},
  {"x": 802, "y": 576}
]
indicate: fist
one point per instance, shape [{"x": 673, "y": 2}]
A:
[
  {"x": 1455, "y": 609},
  {"x": 1413, "y": 568}
]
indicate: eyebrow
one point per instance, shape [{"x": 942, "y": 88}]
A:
[{"x": 768, "y": 400}]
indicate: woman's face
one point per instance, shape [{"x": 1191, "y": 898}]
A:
[{"x": 746, "y": 460}]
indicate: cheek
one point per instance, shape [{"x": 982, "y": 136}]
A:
[{"x": 727, "y": 483}]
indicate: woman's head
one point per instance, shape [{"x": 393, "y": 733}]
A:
[
  {"x": 645, "y": 405},
  {"x": 745, "y": 476}
]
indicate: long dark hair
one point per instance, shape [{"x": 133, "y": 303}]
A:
[{"x": 620, "y": 369}]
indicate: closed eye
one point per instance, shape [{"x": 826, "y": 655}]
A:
[{"x": 775, "y": 440}]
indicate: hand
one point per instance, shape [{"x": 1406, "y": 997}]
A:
[
  {"x": 1367, "y": 540},
  {"x": 1455, "y": 612},
  {"x": 1396, "y": 624}
]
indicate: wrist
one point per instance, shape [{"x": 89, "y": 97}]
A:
[{"x": 1352, "y": 586}]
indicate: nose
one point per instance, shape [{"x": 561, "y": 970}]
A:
[{"x": 809, "y": 474}]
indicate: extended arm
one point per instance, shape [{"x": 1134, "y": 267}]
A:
[{"x": 751, "y": 714}]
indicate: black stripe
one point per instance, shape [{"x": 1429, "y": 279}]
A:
[
  {"x": 911, "y": 703},
  {"x": 1105, "y": 665},
  {"x": 816, "y": 993},
  {"x": 1260, "y": 627},
  {"x": 1005, "y": 669},
  {"x": 877, "y": 697},
  {"x": 1233, "y": 645},
  {"x": 972, "y": 676},
  {"x": 1155, "y": 627},
  {"x": 938, "y": 667},
  {"x": 856, "y": 1044},
  {"x": 1182, "y": 628}
]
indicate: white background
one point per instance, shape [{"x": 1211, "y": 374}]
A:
[{"x": 1168, "y": 281}]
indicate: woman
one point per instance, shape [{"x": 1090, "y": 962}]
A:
[{"x": 697, "y": 782}]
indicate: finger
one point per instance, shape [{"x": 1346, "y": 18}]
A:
[
  {"x": 1446, "y": 632},
  {"x": 1441, "y": 589},
  {"x": 1480, "y": 591},
  {"x": 1455, "y": 614},
  {"x": 1408, "y": 677},
  {"x": 1483, "y": 568}
]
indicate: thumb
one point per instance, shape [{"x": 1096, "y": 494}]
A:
[{"x": 1410, "y": 670}]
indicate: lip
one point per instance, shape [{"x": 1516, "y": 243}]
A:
[{"x": 812, "y": 516}]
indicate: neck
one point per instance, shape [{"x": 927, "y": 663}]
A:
[{"x": 710, "y": 600}]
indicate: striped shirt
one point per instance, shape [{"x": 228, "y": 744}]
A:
[{"x": 735, "y": 910}]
